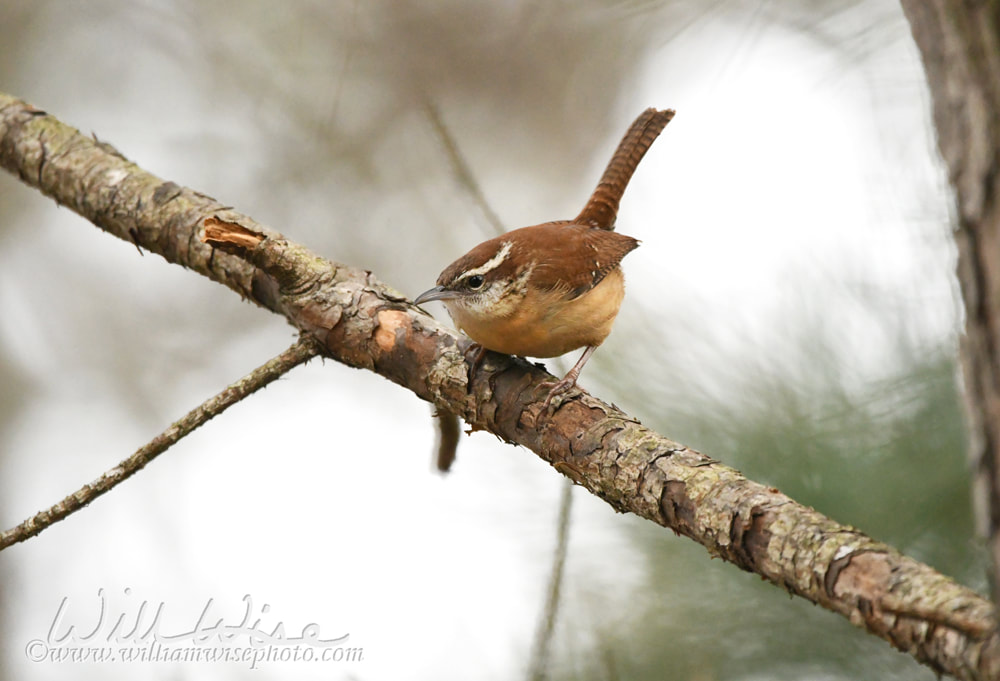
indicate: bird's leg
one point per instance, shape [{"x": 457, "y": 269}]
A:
[{"x": 569, "y": 380}]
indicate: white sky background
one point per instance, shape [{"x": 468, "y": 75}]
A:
[{"x": 791, "y": 178}]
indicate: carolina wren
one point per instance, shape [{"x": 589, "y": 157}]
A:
[{"x": 545, "y": 290}]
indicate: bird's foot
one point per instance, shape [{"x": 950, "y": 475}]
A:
[{"x": 556, "y": 388}]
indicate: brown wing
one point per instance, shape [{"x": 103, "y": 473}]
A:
[{"x": 575, "y": 258}]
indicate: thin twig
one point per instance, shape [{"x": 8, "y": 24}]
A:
[
  {"x": 542, "y": 650},
  {"x": 447, "y": 445},
  {"x": 447, "y": 424},
  {"x": 460, "y": 167},
  {"x": 300, "y": 352}
]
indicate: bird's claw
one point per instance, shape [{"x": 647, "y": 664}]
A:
[{"x": 556, "y": 388}]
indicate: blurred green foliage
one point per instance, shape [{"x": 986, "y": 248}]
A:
[{"x": 888, "y": 458}]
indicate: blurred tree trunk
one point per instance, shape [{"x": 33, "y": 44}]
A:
[{"x": 960, "y": 44}]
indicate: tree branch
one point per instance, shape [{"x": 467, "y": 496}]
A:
[
  {"x": 301, "y": 351},
  {"x": 361, "y": 322}
]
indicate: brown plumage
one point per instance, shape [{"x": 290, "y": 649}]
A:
[
  {"x": 602, "y": 208},
  {"x": 544, "y": 290},
  {"x": 547, "y": 248}
]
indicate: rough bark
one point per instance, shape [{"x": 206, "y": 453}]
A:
[
  {"x": 959, "y": 41},
  {"x": 364, "y": 323}
]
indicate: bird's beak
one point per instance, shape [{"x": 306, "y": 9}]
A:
[{"x": 436, "y": 293}]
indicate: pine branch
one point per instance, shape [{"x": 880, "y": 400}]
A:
[{"x": 362, "y": 322}]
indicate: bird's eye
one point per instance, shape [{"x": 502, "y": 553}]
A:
[{"x": 475, "y": 282}]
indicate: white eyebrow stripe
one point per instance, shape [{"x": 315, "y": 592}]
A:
[{"x": 492, "y": 263}]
